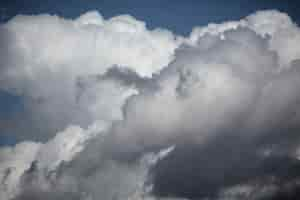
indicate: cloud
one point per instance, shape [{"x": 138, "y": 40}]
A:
[
  {"x": 113, "y": 180},
  {"x": 26, "y": 157},
  {"x": 43, "y": 57},
  {"x": 104, "y": 98},
  {"x": 205, "y": 90}
]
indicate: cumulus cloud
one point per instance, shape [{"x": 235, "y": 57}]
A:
[
  {"x": 43, "y": 57},
  {"x": 207, "y": 88},
  {"x": 100, "y": 95},
  {"x": 26, "y": 157}
]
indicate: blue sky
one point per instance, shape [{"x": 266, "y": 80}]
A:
[{"x": 177, "y": 15}]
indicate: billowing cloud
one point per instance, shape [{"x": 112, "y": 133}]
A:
[
  {"x": 103, "y": 97},
  {"x": 43, "y": 58},
  {"x": 26, "y": 157}
]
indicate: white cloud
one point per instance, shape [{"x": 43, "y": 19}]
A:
[
  {"x": 17, "y": 160},
  {"x": 14, "y": 162},
  {"x": 207, "y": 88},
  {"x": 44, "y": 56}
]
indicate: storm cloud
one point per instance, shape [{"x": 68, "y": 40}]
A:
[{"x": 113, "y": 110}]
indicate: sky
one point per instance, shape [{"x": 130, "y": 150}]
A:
[
  {"x": 178, "y": 16},
  {"x": 169, "y": 100}
]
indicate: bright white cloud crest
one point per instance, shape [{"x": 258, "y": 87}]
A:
[{"x": 100, "y": 89}]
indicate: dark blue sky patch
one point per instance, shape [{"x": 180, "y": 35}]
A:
[
  {"x": 9, "y": 104},
  {"x": 176, "y": 15},
  {"x": 7, "y": 140}
]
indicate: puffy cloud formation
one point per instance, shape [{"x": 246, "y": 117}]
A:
[
  {"x": 43, "y": 59},
  {"x": 103, "y": 97},
  {"x": 27, "y": 157}
]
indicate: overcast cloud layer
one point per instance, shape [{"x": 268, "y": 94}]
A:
[{"x": 114, "y": 111}]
